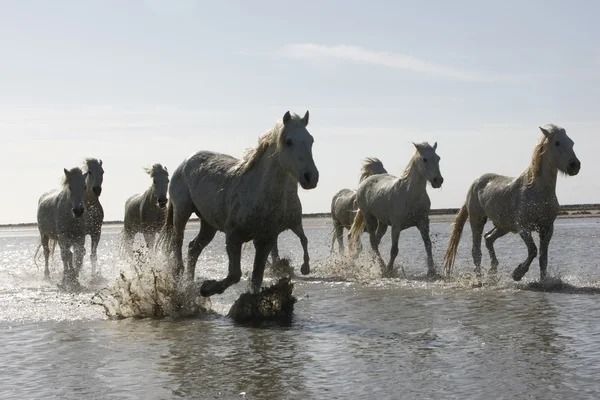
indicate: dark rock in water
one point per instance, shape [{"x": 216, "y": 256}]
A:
[{"x": 272, "y": 303}]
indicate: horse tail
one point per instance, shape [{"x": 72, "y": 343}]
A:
[
  {"x": 457, "y": 229},
  {"x": 36, "y": 256},
  {"x": 371, "y": 166},
  {"x": 164, "y": 237},
  {"x": 357, "y": 229}
]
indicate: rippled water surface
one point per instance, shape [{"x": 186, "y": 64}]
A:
[{"x": 353, "y": 334}]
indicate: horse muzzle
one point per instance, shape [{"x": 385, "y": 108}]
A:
[
  {"x": 309, "y": 180},
  {"x": 78, "y": 211},
  {"x": 437, "y": 182},
  {"x": 97, "y": 190},
  {"x": 573, "y": 167},
  {"x": 162, "y": 203}
]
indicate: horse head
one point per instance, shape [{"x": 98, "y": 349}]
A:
[
  {"x": 75, "y": 183},
  {"x": 95, "y": 175},
  {"x": 560, "y": 150},
  {"x": 295, "y": 150},
  {"x": 428, "y": 163}
]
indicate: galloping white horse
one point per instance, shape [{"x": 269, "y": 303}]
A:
[
  {"x": 95, "y": 214},
  {"x": 401, "y": 202},
  {"x": 248, "y": 199},
  {"x": 344, "y": 205},
  {"x": 145, "y": 213},
  {"x": 59, "y": 218},
  {"x": 518, "y": 205}
]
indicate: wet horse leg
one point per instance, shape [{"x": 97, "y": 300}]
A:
[
  {"x": 394, "y": 250},
  {"x": 205, "y": 236},
  {"x": 522, "y": 269},
  {"x": 490, "y": 237},
  {"x": 338, "y": 231},
  {"x": 299, "y": 231},
  {"x": 78, "y": 254},
  {"x": 45, "y": 245},
  {"x": 275, "y": 254},
  {"x": 95, "y": 236},
  {"x": 180, "y": 219},
  {"x": 234, "y": 252},
  {"x": 545, "y": 237},
  {"x": 67, "y": 258},
  {"x": 423, "y": 227},
  {"x": 262, "y": 249},
  {"x": 149, "y": 239},
  {"x": 372, "y": 226},
  {"x": 477, "y": 225}
]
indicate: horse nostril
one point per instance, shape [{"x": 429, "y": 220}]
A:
[{"x": 307, "y": 176}]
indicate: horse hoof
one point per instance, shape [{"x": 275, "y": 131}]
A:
[
  {"x": 518, "y": 273},
  {"x": 305, "y": 269},
  {"x": 432, "y": 274},
  {"x": 211, "y": 287}
]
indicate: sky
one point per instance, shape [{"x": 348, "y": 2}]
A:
[{"x": 138, "y": 82}]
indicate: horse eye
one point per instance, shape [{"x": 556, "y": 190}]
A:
[
  {"x": 424, "y": 159},
  {"x": 69, "y": 187},
  {"x": 288, "y": 142},
  {"x": 155, "y": 181},
  {"x": 85, "y": 188},
  {"x": 557, "y": 143}
]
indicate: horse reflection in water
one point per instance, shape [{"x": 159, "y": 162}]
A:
[
  {"x": 344, "y": 205},
  {"x": 247, "y": 199},
  {"x": 519, "y": 205},
  {"x": 384, "y": 200},
  {"x": 60, "y": 219}
]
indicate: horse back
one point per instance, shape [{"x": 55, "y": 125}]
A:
[{"x": 344, "y": 207}]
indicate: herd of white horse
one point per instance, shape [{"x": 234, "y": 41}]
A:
[{"x": 255, "y": 198}]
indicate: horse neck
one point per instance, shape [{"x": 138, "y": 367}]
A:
[
  {"x": 546, "y": 175},
  {"x": 413, "y": 178},
  {"x": 149, "y": 196},
  {"x": 270, "y": 177},
  {"x": 90, "y": 196}
]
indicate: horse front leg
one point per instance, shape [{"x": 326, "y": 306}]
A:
[
  {"x": 262, "y": 249},
  {"x": 423, "y": 227},
  {"x": 522, "y": 269},
  {"x": 545, "y": 237},
  {"x": 299, "y": 231},
  {"x": 95, "y": 236},
  {"x": 234, "y": 252},
  {"x": 67, "y": 258},
  {"x": 393, "y": 251},
  {"x": 275, "y": 254}
]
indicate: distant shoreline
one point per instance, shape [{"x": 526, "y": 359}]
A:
[{"x": 566, "y": 211}]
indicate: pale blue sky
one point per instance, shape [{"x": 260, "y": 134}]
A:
[{"x": 137, "y": 82}]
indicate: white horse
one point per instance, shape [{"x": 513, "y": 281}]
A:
[
  {"x": 95, "y": 213},
  {"x": 247, "y": 199},
  {"x": 145, "y": 213},
  {"x": 59, "y": 218},
  {"x": 402, "y": 202},
  {"x": 344, "y": 205},
  {"x": 518, "y": 205}
]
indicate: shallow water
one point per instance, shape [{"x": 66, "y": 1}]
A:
[{"x": 353, "y": 335}]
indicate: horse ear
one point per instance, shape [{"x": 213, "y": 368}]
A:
[
  {"x": 545, "y": 131},
  {"x": 416, "y": 145},
  {"x": 305, "y": 118},
  {"x": 66, "y": 171},
  {"x": 435, "y": 146},
  {"x": 165, "y": 168},
  {"x": 100, "y": 162},
  {"x": 286, "y": 118}
]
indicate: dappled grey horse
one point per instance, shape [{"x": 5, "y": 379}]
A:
[
  {"x": 344, "y": 205},
  {"x": 94, "y": 215},
  {"x": 384, "y": 200},
  {"x": 520, "y": 205},
  {"x": 60, "y": 219},
  {"x": 247, "y": 199},
  {"x": 145, "y": 213}
]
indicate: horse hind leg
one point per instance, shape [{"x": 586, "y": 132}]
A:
[
  {"x": 46, "y": 247},
  {"x": 522, "y": 269},
  {"x": 372, "y": 226},
  {"x": 205, "y": 236},
  {"x": 490, "y": 237},
  {"x": 262, "y": 248},
  {"x": 477, "y": 225},
  {"x": 338, "y": 231}
]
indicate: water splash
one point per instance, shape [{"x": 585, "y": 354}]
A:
[{"x": 150, "y": 291}]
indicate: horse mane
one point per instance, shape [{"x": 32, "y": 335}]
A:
[
  {"x": 90, "y": 162},
  {"x": 274, "y": 136},
  {"x": 371, "y": 166},
  {"x": 534, "y": 171},
  {"x": 74, "y": 170},
  {"x": 412, "y": 164},
  {"x": 155, "y": 169}
]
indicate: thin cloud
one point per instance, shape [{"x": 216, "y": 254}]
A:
[{"x": 317, "y": 52}]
